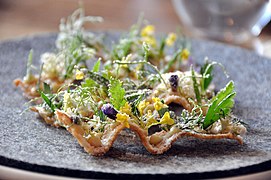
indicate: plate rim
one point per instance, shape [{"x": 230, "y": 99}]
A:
[{"x": 76, "y": 173}]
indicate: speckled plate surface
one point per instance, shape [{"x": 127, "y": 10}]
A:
[{"x": 26, "y": 142}]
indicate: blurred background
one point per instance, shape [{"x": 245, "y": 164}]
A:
[{"x": 26, "y": 17}]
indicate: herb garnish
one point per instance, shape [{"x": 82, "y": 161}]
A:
[
  {"x": 220, "y": 105},
  {"x": 116, "y": 93},
  {"x": 130, "y": 83},
  {"x": 196, "y": 86}
]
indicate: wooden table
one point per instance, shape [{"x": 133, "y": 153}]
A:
[{"x": 27, "y": 17}]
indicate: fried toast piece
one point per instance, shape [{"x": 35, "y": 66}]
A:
[
  {"x": 157, "y": 143},
  {"x": 94, "y": 146}
]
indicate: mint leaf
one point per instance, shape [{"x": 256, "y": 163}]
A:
[
  {"x": 220, "y": 105},
  {"x": 117, "y": 93}
]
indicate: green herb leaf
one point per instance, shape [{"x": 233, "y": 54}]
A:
[
  {"x": 162, "y": 111},
  {"x": 46, "y": 88},
  {"x": 134, "y": 105},
  {"x": 196, "y": 86},
  {"x": 122, "y": 49},
  {"x": 146, "y": 49},
  {"x": 89, "y": 83},
  {"x": 151, "y": 68},
  {"x": 206, "y": 72},
  {"x": 29, "y": 75},
  {"x": 102, "y": 115},
  {"x": 76, "y": 53},
  {"x": 162, "y": 47},
  {"x": 172, "y": 61},
  {"x": 99, "y": 79},
  {"x": 220, "y": 105},
  {"x": 48, "y": 101},
  {"x": 96, "y": 66},
  {"x": 117, "y": 93}
]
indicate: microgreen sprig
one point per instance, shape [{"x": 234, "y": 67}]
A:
[
  {"x": 145, "y": 63},
  {"x": 206, "y": 72}
]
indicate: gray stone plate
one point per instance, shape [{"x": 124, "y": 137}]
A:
[{"x": 26, "y": 142}]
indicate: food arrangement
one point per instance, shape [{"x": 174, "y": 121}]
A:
[{"x": 95, "y": 91}]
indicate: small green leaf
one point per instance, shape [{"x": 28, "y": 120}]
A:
[
  {"x": 196, "y": 86},
  {"x": 99, "y": 79},
  {"x": 46, "y": 88},
  {"x": 162, "y": 47},
  {"x": 172, "y": 61},
  {"x": 135, "y": 103},
  {"x": 48, "y": 101},
  {"x": 162, "y": 111},
  {"x": 220, "y": 105},
  {"x": 102, "y": 115},
  {"x": 117, "y": 93},
  {"x": 206, "y": 72},
  {"x": 122, "y": 49},
  {"x": 151, "y": 68},
  {"x": 89, "y": 83},
  {"x": 146, "y": 49},
  {"x": 29, "y": 76},
  {"x": 225, "y": 91},
  {"x": 126, "y": 48},
  {"x": 96, "y": 66}
]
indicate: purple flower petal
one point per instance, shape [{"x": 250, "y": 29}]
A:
[
  {"x": 109, "y": 111},
  {"x": 173, "y": 80}
]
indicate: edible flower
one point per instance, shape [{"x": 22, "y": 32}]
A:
[
  {"x": 158, "y": 105},
  {"x": 147, "y": 34},
  {"x": 142, "y": 105},
  {"x": 171, "y": 38},
  {"x": 185, "y": 54},
  {"x": 166, "y": 119},
  {"x": 79, "y": 75},
  {"x": 109, "y": 111},
  {"x": 123, "y": 118},
  {"x": 126, "y": 108},
  {"x": 147, "y": 31},
  {"x": 67, "y": 101},
  {"x": 150, "y": 40},
  {"x": 150, "y": 120},
  {"x": 174, "y": 81}
]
